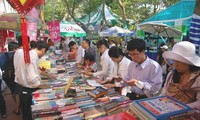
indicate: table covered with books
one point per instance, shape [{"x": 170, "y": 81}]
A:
[{"x": 73, "y": 96}]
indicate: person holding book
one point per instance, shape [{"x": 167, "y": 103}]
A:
[
  {"x": 105, "y": 61},
  {"x": 183, "y": 81},
  {"x": 121, "y": 64},
  {"x": 27, "y": 76},
  {"x": 90, "y": 65},
  {"x": 144, "y": 74}
]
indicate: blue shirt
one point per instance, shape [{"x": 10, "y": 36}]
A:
[{"x": 148, "y": 74}]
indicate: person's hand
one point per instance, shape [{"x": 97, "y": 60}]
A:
[
  {"x": 132, "y": 82},
  {"x": 109, "y": 85},
  {"x": 44, "y": 86},
  {"x": 89, "y": 73},
  {"x": 52, "y": 76},
  {"x": 104, "y": 81},
  {"x": 118, "y": 79}
]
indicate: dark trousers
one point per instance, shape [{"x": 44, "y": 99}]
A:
[
  {"x": 25, "y": 97},
  {"x": 134, "y": 96},
  {"x": 2, "y": 102}
]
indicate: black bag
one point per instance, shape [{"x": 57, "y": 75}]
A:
[{"x": 9, "y": 71}]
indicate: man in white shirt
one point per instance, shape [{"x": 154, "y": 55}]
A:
[{"x": 28, "y": 76}]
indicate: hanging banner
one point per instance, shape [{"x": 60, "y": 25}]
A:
[
  {"x": 32, "y": 18},
  {"x": 54, "y": 30}
]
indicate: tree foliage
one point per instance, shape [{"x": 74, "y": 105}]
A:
[{"x": 138, "y": 10}]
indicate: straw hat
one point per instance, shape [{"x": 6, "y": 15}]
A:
[{"x": 183, "y": 52}]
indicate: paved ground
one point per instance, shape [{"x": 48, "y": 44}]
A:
[{"x": 10, "y": 105}]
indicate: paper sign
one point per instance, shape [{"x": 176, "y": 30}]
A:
[
  {"x": 46, "y": 64},
  {"x": 54, "y": 30},
  {"x": 69, "y": 84}
]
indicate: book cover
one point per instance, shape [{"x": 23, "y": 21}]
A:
[
  {"x": 118, "y": 116},
  {"x": 161, "y": 107},
  {"x": 93, "y": 112},
  {"x": 98, "y": 92}
]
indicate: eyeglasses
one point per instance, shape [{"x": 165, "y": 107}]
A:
[{"x": 134, "y": 54}]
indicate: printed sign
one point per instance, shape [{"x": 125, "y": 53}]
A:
[{"x": 54, "y": 30}]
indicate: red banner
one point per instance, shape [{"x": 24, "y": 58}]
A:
[{"x": 54, "y": 30}]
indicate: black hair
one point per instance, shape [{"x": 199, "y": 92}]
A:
[
  {"x": 72, "y": 43},
  {"x": 115, "y": 52},
  {"x": 62, "y": 39},
  {"x": 40, "y": 45},
  {"x": 102, "y": 42},
  {"x": 87, "y": 41},
  {"x": 19, "y": 40},
  {"x": 32, "y": 44},
  {"x": 177, "y": 75},
  {"x": 12, "y": 46},
  {"x": 89, "y": 57},
  {"x": 136, "y": 43}
]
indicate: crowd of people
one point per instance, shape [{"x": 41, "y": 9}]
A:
[{"x": 137, "y": 77}]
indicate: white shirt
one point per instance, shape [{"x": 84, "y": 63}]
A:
[
  {"x": 79, "y": 54},
  {"x": 121, "y": 68},
  {"x": 27, "y": 75},
  {"x": 107, "y": 66}
]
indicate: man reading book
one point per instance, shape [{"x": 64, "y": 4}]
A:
[{"x": 144, "y": 74}]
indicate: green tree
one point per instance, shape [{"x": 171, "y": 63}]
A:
[{"x": 54, "y": 10}]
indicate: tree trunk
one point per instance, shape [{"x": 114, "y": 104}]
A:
[
  {"x": 123, "y": 12},
  {"x": 70, "y": 12}
]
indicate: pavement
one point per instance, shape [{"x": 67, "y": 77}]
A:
[{"x": 10, "y": 106}]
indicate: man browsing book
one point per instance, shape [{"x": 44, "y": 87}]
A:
[
  {"x": 144, "y": 74},
  {"x": 27, "y": 76}
]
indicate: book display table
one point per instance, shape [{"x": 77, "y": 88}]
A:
[{"x": 73, "y": 97}]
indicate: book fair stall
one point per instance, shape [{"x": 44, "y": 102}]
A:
[{"x": 74, "y": 96}]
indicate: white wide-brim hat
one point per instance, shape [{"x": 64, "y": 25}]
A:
[{"x": 184, "y": 52}]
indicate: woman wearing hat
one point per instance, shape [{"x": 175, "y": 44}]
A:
[{"x": 183, "y": 81}]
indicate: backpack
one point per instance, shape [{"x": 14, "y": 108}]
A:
[{"x": 9, "y": 71}]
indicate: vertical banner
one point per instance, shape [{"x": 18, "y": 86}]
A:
[
  {"x": 54, "y": 30},
  {"x": 32, "y": 18}
]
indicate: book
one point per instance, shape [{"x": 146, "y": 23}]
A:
[
  {"x": 161, "y": 107},
  {"x": 98, "y": 92},
  {"x": 93, "y": 112},
  {"x": 118, "y": 116}
]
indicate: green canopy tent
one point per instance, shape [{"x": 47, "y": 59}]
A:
[
  {"x": 178, "y": 15},
  {"x": 96, "y": 17}
]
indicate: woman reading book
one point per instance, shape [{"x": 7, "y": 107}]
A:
[
  {"x": 105, "y": 61},
  {"x": 121, "y": 64},
  {"x": 183, "y": 81}
]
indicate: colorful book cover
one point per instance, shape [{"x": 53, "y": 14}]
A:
[
  {"x": 118, "y": 116},
  {"x": 161, "y": 107}
]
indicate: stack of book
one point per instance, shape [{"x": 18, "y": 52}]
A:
[
  {"x": 159, "y": 108},
  {"x": 93, "y": 112}
]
